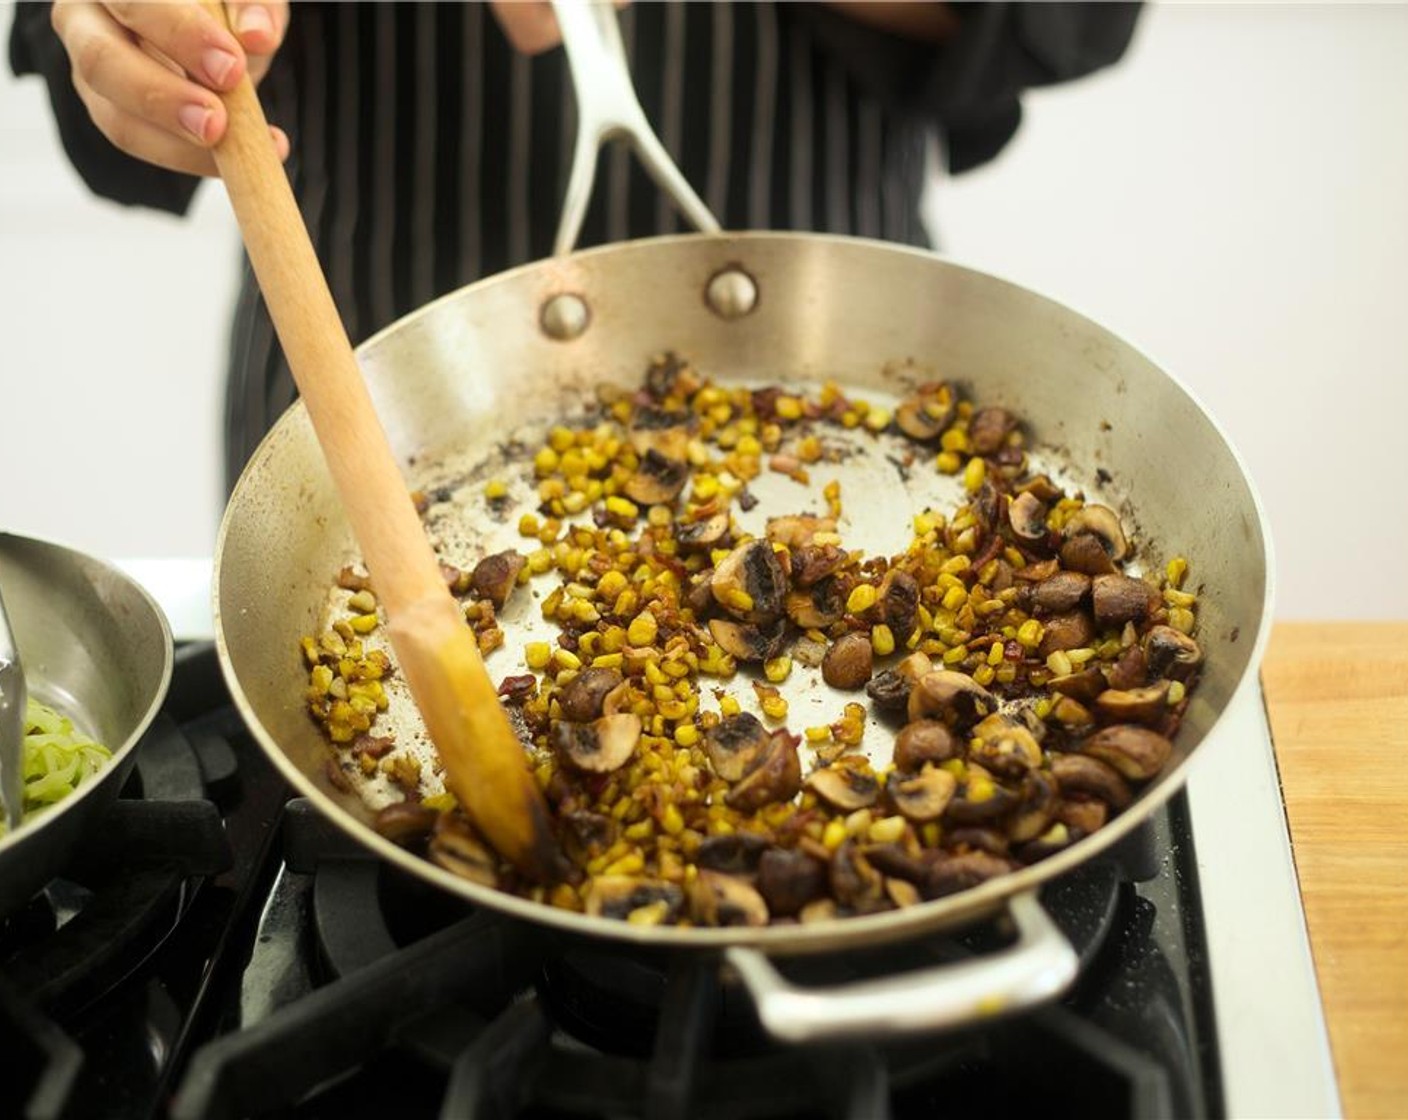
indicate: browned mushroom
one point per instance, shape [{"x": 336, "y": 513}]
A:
[
  {"x": 1070, "y": 713},
  {"x": 735, "y": 745},
  {"x": 974, "y": 838},
  {"x": 1005, "y": 747},
  {"x": 988, "y": 429},
  {"x": 1084, "y": 553},
  {"x": 750, "y": 583},
  {"x": 1063, "y": 592},
  {"x": 599, "y": 747},
  {"x": 889, "y": 690},
  {"x": 1085, "y": 685},
  {"x": 658, "y": 480},
  {"x": 405, "y": 822},
  {"x": 1171, "y": 653},
  {"x": 950, "y": 874},
  {"x": 587, "y": 835},
  {"x": 619, "y": 699},
  {"x": 818, "y": 910},
  {"x": 701, "y": 536},
  {"x": 979, "y": 799},
  {"x": 893, "y": 861},
  {"x": 1136, "y": 752},
  {"x": 669, "y": 375},
  {"x": 1104, "y": 524},
  {"x": 797, "y": 530},
  {"x": 1136, "y": 705},
  {"x": 811, "y": 563},
  {"x": 1040, "y": 798},
  {"x": 923, "y": 797},
  {"x": 723, "y": 900},
  {"x": 816, "y": 607},
  {"x": 854, "y": 882},
  {"x": 777, "y": 777},
  {"x": 902, "y": 893},
  {"x": 847, "y": 664},
  {"x": 924, "y": 740},
  {"x": 925, "y": 415},
  {"x": 1027, "y": 516},
  {"x": 495, "y": 577},
  {"x": 1082, "y": 815},
  {"x": 899, "y": 602},
  {"x": 620, "y": 896},
  {"x": 582, "y": 697},
  {"x": 1087, "y": 776},
  {"x": 1072, "y": 630},
  {"x": 1119, "y": 599},
  {"x": 665, "y": 431},
  {"x": 846, "y": 788},
  {"x": 955, "y": 698},
  {"x": 1042, "y": 487},
  {"x": 455, "y": 846},
  {"x": 789, "y": 879},
  {"x": 736, "y": 853},
  {"x": 748, "y": 642}
]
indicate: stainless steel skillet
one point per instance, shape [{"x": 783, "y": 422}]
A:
[{"x": 516, "y": 352}]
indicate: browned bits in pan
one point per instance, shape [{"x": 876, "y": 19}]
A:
[{"x": 1026, "y": 680}]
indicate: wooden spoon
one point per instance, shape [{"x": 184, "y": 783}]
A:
[{"x": 485, "y": 764}]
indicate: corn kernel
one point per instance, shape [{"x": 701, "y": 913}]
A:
[
  {"x": 566, "y": 659},
  {"x": 495, "y": 490},
  {"x": 974, "y": 474},
  {"x": 1059, "y": 664},
  {"x": 622, "y": 507},
  {"x": 887, "y": 830},
  {"x": 546, "y": 461},
  {"x": 1080, "y": 656},
  {"x": 738, "y": 599},
  {"x": 834, "y": 835},
  {"x": 954, "y": 598},
  {"x": 955, "y": 564},
  {"x": 774, "y": 707},
  {"x": 1175, "y": 598},
  {"x": 777, "y": 669},
  {"x": 671, "y": 821},
  {"x": 995, "y": 654},
  {"x": 632, "y": 863},
  {"x": 686, "y": 735},
  {"x": 955, "y": 655},
  {"x": 1030, "y": 633},
  {"x": 818, "y": 734},
  {"x": 1043, "y": 707},
  {"x": 882, "y": 640},
  {"x": 947, "y": 462},
  {"x": 1176, "y": 691},
  {"x": 861, "y": 598},
  {"x": 984, "y": 674},
  {"x": 788, "y": 408},
  {"x": 642, "y": 630},
  {"x": 954, "y": 440},
  {"x": 363, "y": 623},
  {"x": 729, "y": 706},
  {"x": 537, "y": 654}
]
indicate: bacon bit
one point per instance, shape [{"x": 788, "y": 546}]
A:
[
  {"x": 421, "y": 500},
  {"x": 374, "y": 746},
  {"x": 353, "y": 579},
  {"x": 336, "y": 776},
  {"x": 515, "y": 690}
]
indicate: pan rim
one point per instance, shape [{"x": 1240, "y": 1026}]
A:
[{"x": 951, "y": 911}]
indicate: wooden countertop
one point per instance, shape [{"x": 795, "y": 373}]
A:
[{"x": 1337, "y": 694}]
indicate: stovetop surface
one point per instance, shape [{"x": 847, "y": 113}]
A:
[{"x": 218, "y": 949}]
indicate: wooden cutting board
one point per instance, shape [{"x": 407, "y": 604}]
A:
[{"x": 1337, "y": 694}]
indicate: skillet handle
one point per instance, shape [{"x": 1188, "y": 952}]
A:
[
  {"x": 1038, "y": 966},
  {"x": 608, "y": 109}
]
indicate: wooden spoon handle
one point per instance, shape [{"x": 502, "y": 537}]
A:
[{"x": 485, "y": 764}]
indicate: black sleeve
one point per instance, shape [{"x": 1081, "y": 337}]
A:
[{"x": 108, "y": 172}]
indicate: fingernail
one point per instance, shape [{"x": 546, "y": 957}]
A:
[
  {"x": 195, "y": 119},
  {"x": 218, "y": 64},
  {"x": 255, "y": 18}
]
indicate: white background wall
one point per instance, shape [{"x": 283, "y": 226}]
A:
[{"x": 1233, "y": 199}]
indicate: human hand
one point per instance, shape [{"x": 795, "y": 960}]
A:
[
  {"x": 530, "y": 25},
  {"x": 150, "y": 73}
]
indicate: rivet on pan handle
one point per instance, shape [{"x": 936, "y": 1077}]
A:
[
  {"x": 1038, "y": 966},
  {"x": 608, "y": 109}
]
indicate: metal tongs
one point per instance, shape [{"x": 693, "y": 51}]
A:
[{"x": 12, "y": 706}]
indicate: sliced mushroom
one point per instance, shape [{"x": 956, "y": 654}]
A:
[
  {"x": 1072, "y": 630},
  {"x": 817, "y": 607},
  {"x": 495, "y": 577},
  {"x": 976, "y": 839},
  {"x": 777, "y": 777},
  {"x": 812, "y": 563},
  {"x": 1071, "y": 714},
  {"x": 1085, "y": 685},
  {"x": 582, "y": 697},
  {"x": 955, "y": 698},
  {"x": 736, "y": 853},
  {"x": 701, "y": 536},
  {"x": 1087, "y": 776},
  {"x": 748, "y": 642},
  {"x": 924, "y": 741},
  {"x": 723, "y": 900},
  {"x": 895, "y": 862},
  {"x": 789, "y": 879},
  {"x": 405, "y": 822},
  {"x": 599, "y": 747},
  {"x": 899, "y": 602},
  {"x": 848, "y": 663},
  {"x": 1136, "y": 752},
  {"x": 1027, "y": 516},
  {"x": 797, "y": 530},
  {"x": 750, "y": 583},
  {"x": 1082, "y": 815},
  {"x": 620, "y": 896},
  {"x": 1171, "y": 653},
  {"x": 1062, "y": 592},
  {"x": 979, "y": 799},
  {"x": 619, "y": 699},
  {"x": 1118, "y": 599},
  {"x": 819, "y": 910},
  {"x": 455, "y": 846},
  {"x": 1085, "y": 553},
  {"x": 854, "y": 882},
  {"x": 923, "y": 797},
  {"x": 988, "y": 429},
  {"x": 1128, "y": 671},
  {"x": 846, "y": 788},
  {"x": 1104, "y": 524},
  {"x": 902, "y": 893},
  {"x": 1042, "y": 487},
  {"x": 587, "y": 835},
  {"x": 1004, "y": 746},
  {"x": 1056, "y": 838},
  {"x": 668, "y": 374},
  {"x": 1137, "y": 705},
  {"x": 735, "y": 745},
  {"x": 658, "y": 480},
  {"x": 928, "y": 413},
  {"x": 951, "y": 874},
  {"x": 662, "y": 430},
  {"x": 1040, "y": 798},
  {"x": 889, "y": 690}
]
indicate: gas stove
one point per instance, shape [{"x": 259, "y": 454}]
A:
[{"x": 220, "y": 950}]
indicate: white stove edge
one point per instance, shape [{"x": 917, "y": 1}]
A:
[
  {"x": 1274, "y": 1047},
  {"x": 1275, "y": 1052}
]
